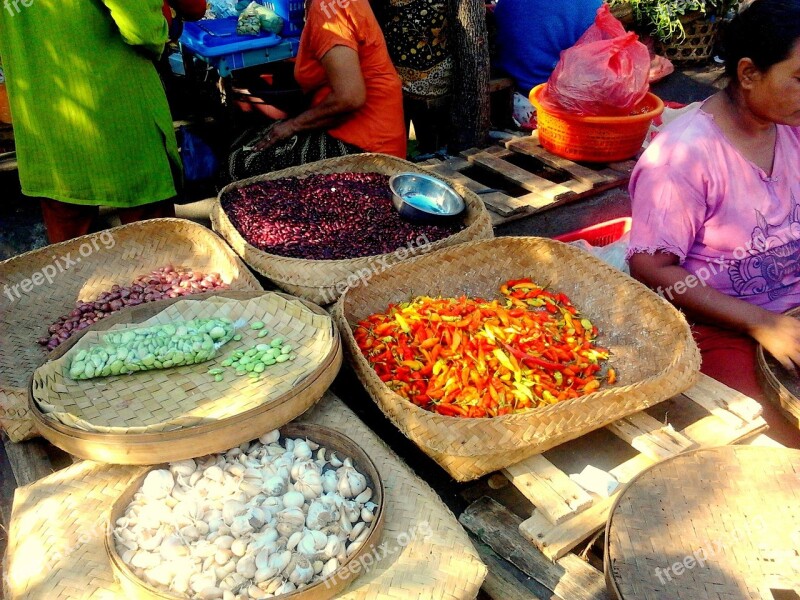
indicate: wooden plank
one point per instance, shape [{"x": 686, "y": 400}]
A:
[
  {"x": 713, "y": 395},
  {"x": 547, "y": 191},
  {"x": 650, "y": 437},
  {"x": 548, "y": 488},
  {"x": 500, "y": 83},
  {"x": 499, "y": 528},
  {"x": 29, "y": 460},
  {"x": 763, "y": 441},
  {"x": 505, "y": 582},
  {"x": 530, "y": 145}
]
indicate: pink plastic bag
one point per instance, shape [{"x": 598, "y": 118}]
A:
[{"x": 604, "y": 73}]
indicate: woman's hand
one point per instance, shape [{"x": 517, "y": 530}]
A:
[
  {"x": 780, "y": 336},
  {"x": 282, "y": 130}
]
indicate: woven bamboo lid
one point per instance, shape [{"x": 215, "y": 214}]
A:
[{"x": 711, "y": 524}]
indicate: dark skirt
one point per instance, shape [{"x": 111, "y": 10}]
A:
[{"x": 302, "y": 148}]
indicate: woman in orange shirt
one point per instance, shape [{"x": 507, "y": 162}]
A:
[{"x": 343, "y": 65}]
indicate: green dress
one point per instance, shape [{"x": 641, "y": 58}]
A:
[{"x": 91, "y": 121}]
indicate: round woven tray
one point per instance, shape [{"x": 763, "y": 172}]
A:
[
  {"x": 710, "y": 524},
  {"x": 329, "y": 588},
  {"x": 166, "y": 415},
  {"x": 781, "y": 387},
  {"x": 322, "y": 281},
  {"x": 652, "y": 348},
  {"x": 115, "y": 256},
  {"x": 696, "y": 47}
]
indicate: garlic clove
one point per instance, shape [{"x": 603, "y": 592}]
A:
[
  {"x": 364, "y": 496},
  {"x": 271, "y": 437}
]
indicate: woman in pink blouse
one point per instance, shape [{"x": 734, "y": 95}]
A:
[{"x": 716, "y": 207}]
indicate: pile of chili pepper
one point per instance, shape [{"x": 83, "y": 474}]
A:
[{"x": 469, "y": 357}]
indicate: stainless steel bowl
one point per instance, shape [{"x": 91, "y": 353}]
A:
[{"x": 419, "y": 197}]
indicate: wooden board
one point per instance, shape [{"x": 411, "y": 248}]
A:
[
  {"x": 555, "y": 527},
  {"x": 539, "y": 192},
  {"x": 569, "y": 578}
]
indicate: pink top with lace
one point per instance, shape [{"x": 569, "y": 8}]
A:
[{"x": 732, "y": 225}]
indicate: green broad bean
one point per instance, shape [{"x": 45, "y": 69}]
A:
[
  {"x": 241, "y": 371},
  {"x": 218, "y": 378},
  {"x": 257, "y": 326},
  {"x": 262, "y": 333},
  {"x": 277, "y": 342},
  {"x": 237, "y": 338},
  {"x": 244, "y": 360},
  {"x": 287, "y": 349},
  {"x": 282, "y": 358},
  {"x": 263, "y": 347},
  {"x": 216, "y": 371},
  {"x": 259, "y": 368},
  {"x": 249, "y": 367},
  {"x": 269, "y": 361},
  {"x": 227, "y": 362},
  {"x": 253, "y": 375},
  {"x": 251, "y": 352}
]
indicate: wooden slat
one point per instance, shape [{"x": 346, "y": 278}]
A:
[
  {"x": 496, "y": 201},
  {"x": 570, "y": 578},
  {"x": 500, "y": 83},
  {"x": 713, "y": 395},
  {"x": 650, "y": 437},
  {"x": 530, "y": 145},
  {"x": 29, "y": 460},
  {"x": 718, "y": 429},
  {"x": 547, "y": 191},
  {"x": 764, "y": 441},
  {"x": 548, "y": 488},
  {"x": 505, "y": 582}
]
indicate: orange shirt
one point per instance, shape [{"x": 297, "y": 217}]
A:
[{"x": 377, "y": 126}]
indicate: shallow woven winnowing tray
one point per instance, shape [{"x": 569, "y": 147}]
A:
[
  {"x": 55, "y": 549},
  {"x": 163, "y": 400},
  {"x": 87, "y": 266},
  {"x": 711, "y": 524}
]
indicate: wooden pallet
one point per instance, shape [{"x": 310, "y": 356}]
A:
[
  {"x": 556, "y": 181},
  {"x": 534, "y": 557},
  {"x": 565, "y": 514}
]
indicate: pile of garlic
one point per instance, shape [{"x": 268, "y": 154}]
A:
[{"x": 261, "y": 520}]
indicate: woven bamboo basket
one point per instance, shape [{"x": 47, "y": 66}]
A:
[
  {"x": 322, "y": 281},
  {"x": 116, "y": 256},
  {"x": 652, "y": 348},
  {"x": 165, "y": 415},
  {"x": 780, "y": 387},
  {"x": 136, "y": 588},
  {"x": 696, "y": 47},
  {"x": 56, "y": 539}
]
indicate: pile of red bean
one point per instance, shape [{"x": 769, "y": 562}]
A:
[
  {"x": 166, "y": 282},
  {"x": 325, "y": 217}
]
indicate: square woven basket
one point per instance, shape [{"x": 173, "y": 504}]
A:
[
  {"x": 94, "y": 263},
  {"x": 321, "y": 281},
  {"x": 652, "y": 348}
]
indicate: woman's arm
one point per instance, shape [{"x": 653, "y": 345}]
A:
[
  {"x": 348, "y": 94},
  {"x": 779, "y": 334},
  {"x": 140, "y": 23}
]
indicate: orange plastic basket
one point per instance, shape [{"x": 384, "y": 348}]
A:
[{"x": 594, "y": 139}]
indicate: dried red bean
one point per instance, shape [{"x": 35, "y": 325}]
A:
[
  {"x": 144, "y": 288},
  {"x": 325, "y": 217}
]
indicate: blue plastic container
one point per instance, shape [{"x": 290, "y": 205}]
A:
[{"x": 217, "y": 37}]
